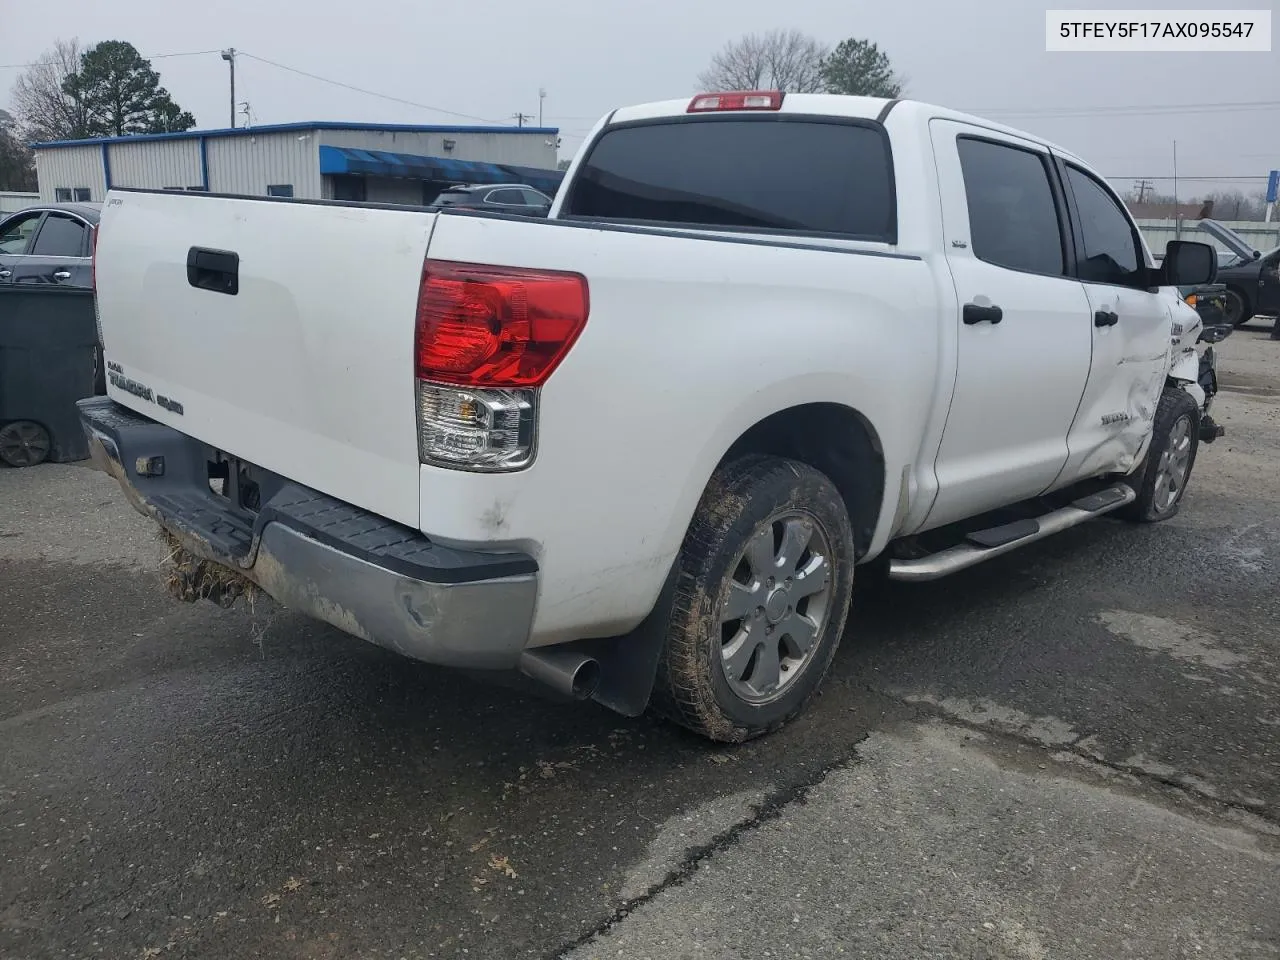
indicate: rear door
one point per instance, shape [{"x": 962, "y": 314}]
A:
[
  {"x": 58, "y": 253},
  {"x": 1131, "y": 326},
  {"x": 1023, "y": 324}
]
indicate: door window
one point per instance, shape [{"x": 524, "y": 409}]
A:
[
  {"x": 1111, "y": 251},
  {"x": 60, "y": 237},
  {"x": 513, "y": 197},
  {"x": 1013, "y": 220},
  {"x": 15, "y": 235},
  {"x": 534, "y": 199}
]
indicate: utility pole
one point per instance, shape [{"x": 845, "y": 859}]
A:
[
  {"x": 1177, "y": 220},
  {"x": 1143, "y": 187},
  {"x": 229, "y": 55},
  {"x": 542, "y": 95},
  {"x": 520, "y": 118}
]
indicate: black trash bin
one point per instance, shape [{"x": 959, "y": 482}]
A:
[{"x": 48, "y": 361}]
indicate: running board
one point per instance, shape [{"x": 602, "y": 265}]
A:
[{"x": 985, "y": 544}]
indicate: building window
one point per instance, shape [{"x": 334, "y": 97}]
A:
[
  {"x": 349, "y": 188},
  {"x": 280, "y": 190},
  {"x": 82, "y": 194},
  {"x": 62, "y": 195}
]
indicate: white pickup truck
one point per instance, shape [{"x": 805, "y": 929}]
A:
[{"x": 635, "y": 450}]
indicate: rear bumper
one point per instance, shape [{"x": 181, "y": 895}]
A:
[{"x": 362, "y": 573}]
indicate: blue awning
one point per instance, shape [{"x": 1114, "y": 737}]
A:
[{"x": 380, "y": 163}]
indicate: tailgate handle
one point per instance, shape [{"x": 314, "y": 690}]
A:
[{"x": 214, "y": 270}]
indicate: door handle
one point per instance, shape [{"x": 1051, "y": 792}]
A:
[
  {"x": 62, "y": 275},
  {"x": 1106, "y": 318},
  {"x": 5, "y": 274},
  {"x": 973, "y": 313},
  {"x": 214, "y": 270}
]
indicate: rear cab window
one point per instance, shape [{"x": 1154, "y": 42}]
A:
[{"x": 783, "y": 173}]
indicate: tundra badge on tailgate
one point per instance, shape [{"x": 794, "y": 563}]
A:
[{"x": 115, "y": 373}]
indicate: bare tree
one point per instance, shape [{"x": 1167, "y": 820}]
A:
[
  {"x": 17, "y": 165},
  {"x": 1236, "y": 205},
  {"x": 45, "y": 110},
  {"x": 778, "y": 60}
]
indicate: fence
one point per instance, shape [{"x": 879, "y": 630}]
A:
[
  {"x": 10, "y": 201},
  {"x": 1263, "y": 236}
]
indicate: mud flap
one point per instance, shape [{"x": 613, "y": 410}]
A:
[{"x": 629, "y": 664}]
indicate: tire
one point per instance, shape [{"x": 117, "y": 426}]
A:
[
  {"x": 1162, "y": 480},
  {"x": 1238, "y": 310},
  {"x": 715, "y": 674},
  {"x": 24, "y": 443}
]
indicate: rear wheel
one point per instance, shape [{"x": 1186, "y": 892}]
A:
[
  {"x": 763, "y": 592},
  {"x": 24, "y": 443},
  {"x": 1175, "y": 440}
]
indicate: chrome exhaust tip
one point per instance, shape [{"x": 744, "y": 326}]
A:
[{"x": 569, "y": 673}]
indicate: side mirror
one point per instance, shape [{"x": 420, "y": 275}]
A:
[{"x": 1187, "y": 264}]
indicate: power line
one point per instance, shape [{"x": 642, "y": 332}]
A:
[
  {"x": 301, "y": 73},
  {"x": 1180, "y": 177},
  {"x": 158, "y": 56},
  {"x": 371, "y": 93},
  {"x": 1153, "y": 110},
  {"x": 1113, "y": 110}
]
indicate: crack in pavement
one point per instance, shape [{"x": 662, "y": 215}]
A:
[
  {"x": 797, "y": 793},
  {"x": 769, "y": 809},
  {"x": 1258, "y": 820}
]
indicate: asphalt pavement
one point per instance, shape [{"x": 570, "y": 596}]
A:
[{"x": 1072, "y": 751}]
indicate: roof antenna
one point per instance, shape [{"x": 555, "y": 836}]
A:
[{"x": 248, "y": 113}]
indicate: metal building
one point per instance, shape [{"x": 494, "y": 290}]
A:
[
  {"x": 318, "y": 160},
  {"x": 11, "y": 200}
]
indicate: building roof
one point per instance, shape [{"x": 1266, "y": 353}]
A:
[{"x": 295, "y": 127}]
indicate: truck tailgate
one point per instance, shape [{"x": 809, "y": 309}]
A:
[{"x": 305, "y": 368}]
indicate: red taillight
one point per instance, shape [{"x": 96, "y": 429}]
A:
[
  {"x": 737, "y": 100},
  {"x": 484, "y": 326}
]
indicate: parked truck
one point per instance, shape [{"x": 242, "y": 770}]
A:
[{"x": 637, "y": 449}]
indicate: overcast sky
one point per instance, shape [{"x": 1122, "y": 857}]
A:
[{"x": 487, "y": 58}]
